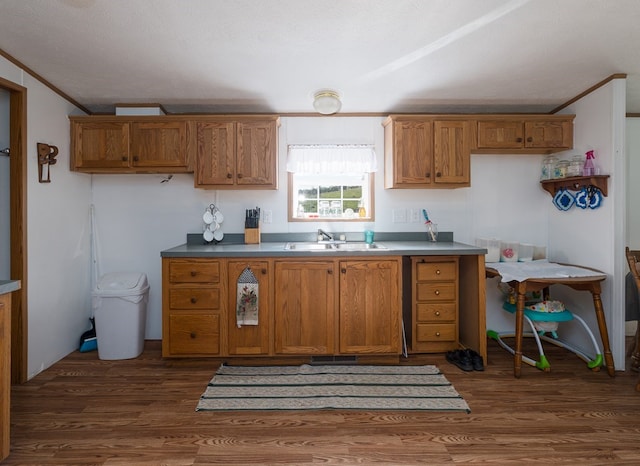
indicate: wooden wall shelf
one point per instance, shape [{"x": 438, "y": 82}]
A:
[{"x": 575, "y": 183}]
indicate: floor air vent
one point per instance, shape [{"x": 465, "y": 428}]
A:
[{"x": 334, "y": 360}]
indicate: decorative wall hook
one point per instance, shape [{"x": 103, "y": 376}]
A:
[{"x": 46, "y": 158}]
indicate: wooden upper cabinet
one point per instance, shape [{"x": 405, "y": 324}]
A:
[
  {"x": 451, "y": 152},
  {"x": 408, "y": 152},
  {"x": 530, "y": 134},
  {"x": 126, "y": 145},
  {"x": 501, "y": 134},
  {"x": 256, "y": 154},
  {"x": 103, "y": 144},
  {"x": 159, "y": 144},
  {"x": 215, "y": 153},
  {"x": 237, "y": 153},
  {"x": 555, "y": 134},
  {"x": 427, "y": 152}
]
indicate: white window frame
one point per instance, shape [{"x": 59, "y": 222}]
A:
[{"x": 331, "y": 165}]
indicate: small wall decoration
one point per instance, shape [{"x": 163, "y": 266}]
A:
[{"x": 46, "y": 157}]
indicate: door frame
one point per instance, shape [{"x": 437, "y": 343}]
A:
[{"x": 18, "y": 228}]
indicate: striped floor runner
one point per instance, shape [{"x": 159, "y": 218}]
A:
[{"x": 418, "y": 388}]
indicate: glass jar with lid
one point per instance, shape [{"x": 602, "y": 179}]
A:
[
  {"x": 561, "y": 168},
  {"x": 575, "y": 166},
  {"x": 548, "y": 167}
]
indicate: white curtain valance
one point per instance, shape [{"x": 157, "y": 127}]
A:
[{"x": 347, "y": 159}]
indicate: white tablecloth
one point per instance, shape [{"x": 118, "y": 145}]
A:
[{"x": 521, "y": 271}]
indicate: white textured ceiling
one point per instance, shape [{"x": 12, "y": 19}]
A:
[{"x": 272, "y": 55}]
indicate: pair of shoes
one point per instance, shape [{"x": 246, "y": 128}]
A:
[
  {"x": 476, "y": 359},
  {"x": 460, "y": 359},
  {"x": 466, "y": 359}
]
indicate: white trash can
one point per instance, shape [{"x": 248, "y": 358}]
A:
[{"x": 120, "y": 309}]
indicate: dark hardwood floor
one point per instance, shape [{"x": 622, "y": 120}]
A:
[{"x": 84, "y": 411}]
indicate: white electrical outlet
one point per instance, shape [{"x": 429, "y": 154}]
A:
[
  {"x": 267, "y": 216},
  {"x": 399, "y": 215},
  {"x": 415, "y": 215}
]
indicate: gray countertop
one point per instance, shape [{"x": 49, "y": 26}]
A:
[
  {"x": 277, "y": 249},
  {"x": 7, "y": 286}
]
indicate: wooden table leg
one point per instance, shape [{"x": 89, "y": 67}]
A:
[
  {"x": 517, "y": 355},
  {"x": 604, "y": 335}
]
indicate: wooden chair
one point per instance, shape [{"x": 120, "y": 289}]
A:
[{"x": 633, "y": 258}]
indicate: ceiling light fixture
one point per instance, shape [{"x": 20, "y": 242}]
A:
[{"x": 326, "y": 102}]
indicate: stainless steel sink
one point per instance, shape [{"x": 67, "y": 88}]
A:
[
  {"x": 311, "y": 246},
  {"x": 318, "y": 247},
  {"x": 358, "y": 246}
]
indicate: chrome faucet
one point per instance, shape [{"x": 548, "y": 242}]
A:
[{"x": 324, "y": 236}]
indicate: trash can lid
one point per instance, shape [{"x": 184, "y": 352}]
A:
[{"x": 122, "y": 281}]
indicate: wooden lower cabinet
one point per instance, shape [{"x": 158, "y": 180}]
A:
[
  {"x": 325, "y": 306},
  {"x": 305, "y": 307},
  {"x": 370, "y": 306},
  {"x": 192, "y": 297},
  {"x": 249, "y": 340},
  {"x": 434, "y": 304}
]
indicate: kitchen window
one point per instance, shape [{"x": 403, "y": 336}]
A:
[{"x": 331, "y": 182}]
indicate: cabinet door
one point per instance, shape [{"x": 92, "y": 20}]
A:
[
  {"x": 256, "y": 156},
  {"x": 100, "y": 145},
  {"x": 412, "y": 153},
  {"x": 215, "y": 148},
  {"x": 452, "y": 152},
  {"x": 249, "y": 339},
  {"x": 304, "y": 307},
  {"x": 369, "y": 307},
  {"x": 159, "y": 144},
  {"x": 500, "y": 134},
  {"x": 549, "y": 134}
]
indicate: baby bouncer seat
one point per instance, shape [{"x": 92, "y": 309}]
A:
[{"x": 544, "y": 318}]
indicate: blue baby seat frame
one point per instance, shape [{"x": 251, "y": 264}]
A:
[{"x": 532, "y": 316}]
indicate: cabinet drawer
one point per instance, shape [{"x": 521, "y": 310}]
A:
[
  {"x": 193, "y": 271},
  {"x": 194, "y": 334},
  {"x": 194, "y": 298},
  {"x": 436, "y": 332},
  {"x": 436, "y": 312},
  {"x": 445, "y": 291},
  {"x": 431, "y": 271}
]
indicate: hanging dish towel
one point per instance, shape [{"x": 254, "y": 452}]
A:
[{"x": 247, "y": 299}]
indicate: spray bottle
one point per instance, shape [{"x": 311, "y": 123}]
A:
[{"x": 589, "y": 168}]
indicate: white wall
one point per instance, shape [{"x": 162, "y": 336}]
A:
[
  {"x": 57, "y": 234},
  {"x": 5, "y": 219},
  {"x": 595, "y": 238}
]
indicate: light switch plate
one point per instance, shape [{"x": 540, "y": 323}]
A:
[
  {"x": 415, "y": 215},
  {"x": 267, "y": 216},
  {"x": 399, "y": 216}
]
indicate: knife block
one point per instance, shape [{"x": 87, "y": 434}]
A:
[{"x": 252, "y": 235}]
